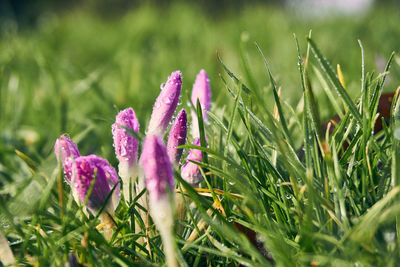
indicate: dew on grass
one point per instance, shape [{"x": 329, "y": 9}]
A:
[
  {"x": 389, "y": 236},
  {"x": 397, "y": 133}
]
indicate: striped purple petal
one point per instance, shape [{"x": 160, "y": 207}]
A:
[{"x": 177, "y": 137}]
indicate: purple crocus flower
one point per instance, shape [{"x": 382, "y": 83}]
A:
[
  {"x": 201, "y": 91},
  {"x": 165, "y": 105},
  {"x": 68, "y": 150},
  {"x": 157, "y": 167},
  {"x": 159, "y": 179},
  {"x": 126, "y": 146},
  {"x": 85, "y": 169},
  {"x": 190, "y": 172},
  {"x": 177, "y": 137}
]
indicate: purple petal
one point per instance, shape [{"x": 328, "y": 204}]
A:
[
  {"x": 165, "y": 105},
  {"x": 85, "y": 169},
  {"x": 177, "y": 137},
  {"x": 157, "y": 167},
  {"x": 68, "y": 150},
  {"x": 201, "y": 91},
  {"x": 126, "y": 146},
  {"x": 190, "y": 172}
]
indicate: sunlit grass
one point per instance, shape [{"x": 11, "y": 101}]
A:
[{"x": 311, "y": 197}]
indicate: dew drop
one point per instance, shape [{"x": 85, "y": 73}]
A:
[
  {"x": 389, "y": 236},
  {"x": 167, "y": 100},
  {"x": 123, "y": 151},
  {"x": 397, "y": 133}
]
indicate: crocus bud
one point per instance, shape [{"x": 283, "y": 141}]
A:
[
  {"x": 67, "y": 149},
  {"x": 165, "y": 105},
  {"x": 85, "y": 170},
  {"x": 190, "y": 172},
  {"x": 126, "y": 146},
  {"x": 201, "y": 91},
  {"x": 177, "y": 137},
  {"x": 157, "y": 167},
  {"x": 159, "y": 179}
]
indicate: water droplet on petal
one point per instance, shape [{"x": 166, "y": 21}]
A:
[
  {"x": 167, "y": 100},
  {"x": 123, "y": 151}
]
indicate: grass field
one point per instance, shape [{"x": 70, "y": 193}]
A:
[{"x": 311, "y": 199}]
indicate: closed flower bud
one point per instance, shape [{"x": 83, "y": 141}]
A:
[
  {"x": 165, "y": 105},
  {"x": 190, "y": 172},
  {"x": 157, "y": 167},
  {"x": 201, "y": 91},
  {"x": 159, "y": 180},
  {"x": 177, "y": 137},
  {"x": 68, "y": 150},
  {"x": 88, "y": 168},
  {"x": 126, "y": 145}
]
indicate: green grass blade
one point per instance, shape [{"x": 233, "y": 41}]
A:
[{"x": 335, "y": 81}]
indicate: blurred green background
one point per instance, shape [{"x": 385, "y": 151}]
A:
[{"x": 69, "y": 67}]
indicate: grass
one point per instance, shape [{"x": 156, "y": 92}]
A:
[{"x": 313, "y": 198}]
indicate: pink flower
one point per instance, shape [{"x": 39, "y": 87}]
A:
[
  {"x": 177, "y": 137},
  {"x": 68, "y": 150},
  {"x": 157, "y": 167},
  {"x": 201, "y": 91},
  {"x": 190, "y": 172},
  {"x": 165, "y": 105},
  {"x": 85, "y": 170},
  {"x": 126, "y": 147},
  {"x": 159, "y": 179}
]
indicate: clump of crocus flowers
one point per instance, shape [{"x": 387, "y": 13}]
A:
[{"x": 95, "y": 183}]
